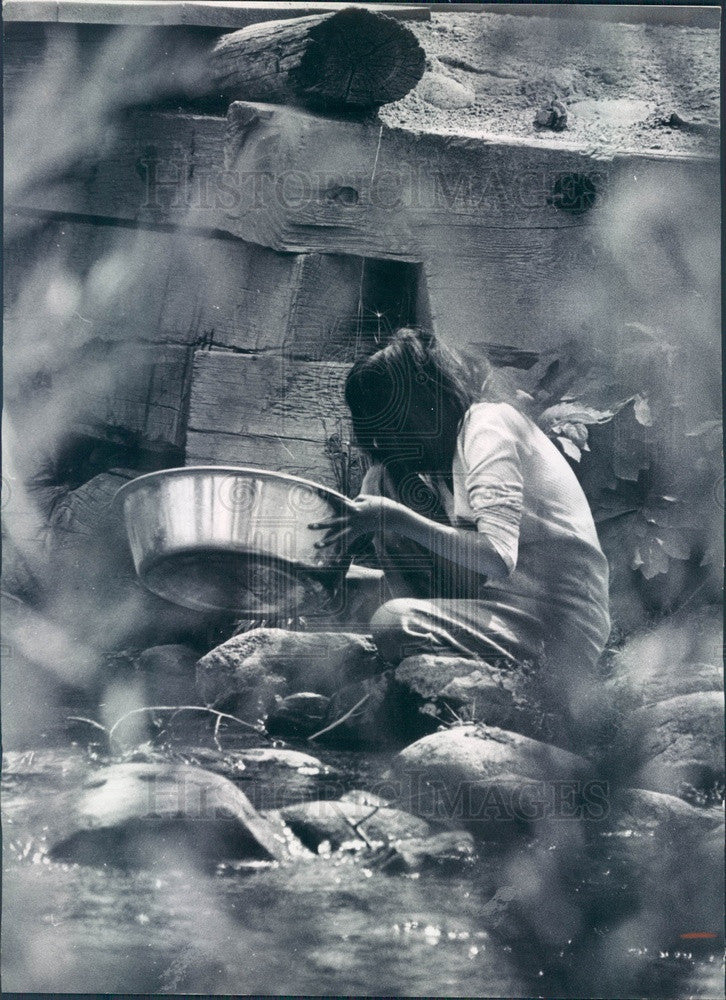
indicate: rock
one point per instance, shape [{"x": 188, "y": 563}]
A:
[
  {"x": 443, "y": 91},
  {"x": 169, "y": 674},
  {"x": 340, "y": 821},
  {"x": 680, "y": 655},
  {"x": 369, "y": 714},
  {"x": 552, "y": 116},
  {"x": 492, "y": 781},
  {"x": 427, "y": 690},
  {"x": 443, "y": 851},
  {"x": 363, "y": 798},
  {"x": 140, "y": 815},
  {"x": 680, "y": 744},
  {"x": 458, "y": 688},
  {"x": 271, "y": 777},
  {"x": 278, "y": 757},
  {"x": 664, "y": 859},
  {"x": 299, "y": 715},
  {"x": 249, "y": 669},
  {"x": 648, "y": 681},
  {"x": 656, "y": 817}
]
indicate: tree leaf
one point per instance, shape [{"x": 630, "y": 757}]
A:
[
  {"x": 574, "y": 412},
  {"x": 675, "y": 543},
  {"x": 569, "y": 448},
  {"x": 641, "y": 408},
  {"x": 651, "y": 558}
]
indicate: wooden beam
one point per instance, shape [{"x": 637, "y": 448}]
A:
[
  {"x": 353, "y": 58},
  {"x": 269, "y": 412},
  {"x": 263, "y": 395},
  {"x": 296, "y": 456},
  {"x": 200, "y": 13},
  {"x": 176, "y": 287},
  {"x": 300, "y": 183},
  {"x": 107, "y": 390}
]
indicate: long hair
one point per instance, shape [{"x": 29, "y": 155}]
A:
[{"x": 407, "y": 402}]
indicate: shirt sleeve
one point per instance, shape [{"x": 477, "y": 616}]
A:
[{"x": 494, "y": 479}]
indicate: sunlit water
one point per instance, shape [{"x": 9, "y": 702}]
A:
[{"x": 329, "y": 926}]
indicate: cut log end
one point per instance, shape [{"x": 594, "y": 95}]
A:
[
  {"x": 358, "y": 58},
  {"x": 351, "y": 59}
]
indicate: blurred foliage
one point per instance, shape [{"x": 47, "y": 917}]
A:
[{"x": 641, "y": 425}]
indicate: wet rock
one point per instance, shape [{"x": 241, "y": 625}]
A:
[
  {"x": 490, "y": 780},
  {"x": 299, "y": 715},
  {"x": 279, "y": 757},
  {"x": 365, "y": 715},
  {"x": 664, "y": 862},
  {"x": 656, "y": 818},
  {"x": 341, "y": 821},
  {"x": 141, "y": 815},
  {"x": 428, "y": 690},
  {"x": 169, "y": 674},
  {"x": 253, "y": 667},
  {"x": 364, "y": 798},
  {"x": 447, "y": 852},
  {"x": 680, "y": 743},
  {"x": 271, "y": 777}
]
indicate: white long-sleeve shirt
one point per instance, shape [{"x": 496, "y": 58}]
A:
[{"x": 511, "y": 483}]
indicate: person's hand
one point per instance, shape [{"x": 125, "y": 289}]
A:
[{"x": 362, "y": 517}]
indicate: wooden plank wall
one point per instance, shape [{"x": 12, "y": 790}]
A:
[{"x": 203, "y": 244}]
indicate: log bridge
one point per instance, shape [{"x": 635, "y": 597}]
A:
[{"x": 215, "y": 254}]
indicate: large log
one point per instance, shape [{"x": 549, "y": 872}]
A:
[
  {"x": 301, "y": 184},
  {"x": 353, "y": 58}
]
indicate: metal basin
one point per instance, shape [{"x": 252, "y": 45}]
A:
[{"x": 231, "y": 539}]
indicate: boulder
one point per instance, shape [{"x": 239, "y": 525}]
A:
[
  {"x": 249, "y": 669},
  {"x": 657, "y": 819},
  {"x": 681, "y": 655},
  {"x": 458, "y": 689},
  {"x": 661, "y": 858},
  {"x": 143, "y": 815},
  {"x": 341, "y": 821},
  {"x": 427, "y": 690},
  {"x": 447, "y": 852},
  {"x": 297, "y": 716},
  {"x": 366, "y": 715},
  {"x": 643, "y": 681},
  {"x": 271, "y": 777},
  {"x": 679, "y": 744},
  {"x": 490, "y": 780},
  {"x": 169, "y": 674},
  {"x": 364, "y": 798}
]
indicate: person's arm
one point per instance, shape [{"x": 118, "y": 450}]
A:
[{"x": 494, "y": 488}]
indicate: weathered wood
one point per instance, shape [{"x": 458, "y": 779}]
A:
[
  {"x": 351, "y": 58},
  {"x": 292, "y": 455},
  {"x": 202, "y": 13},
  {"x": 177, "y": 287},
  {"x": 108, "y": 390},
  {"x": 299, "y": 183},
  {"x": 184, "y": 288},
  {"x": 247, "y": 394},
  {"x": 269, "y": 412}
]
